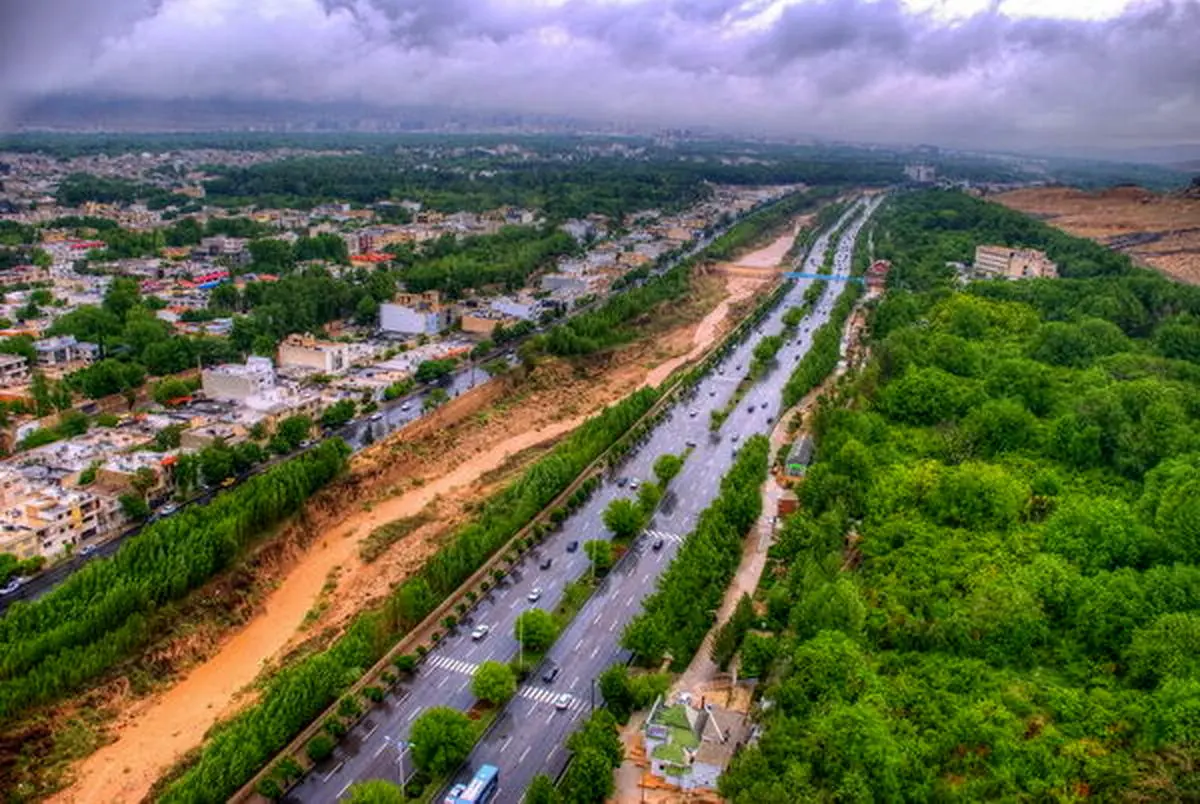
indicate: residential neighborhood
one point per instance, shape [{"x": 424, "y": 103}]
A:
[{"x": 87, "y": 458}]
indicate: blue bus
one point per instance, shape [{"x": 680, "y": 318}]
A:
[{"x": 481, "y": 790}]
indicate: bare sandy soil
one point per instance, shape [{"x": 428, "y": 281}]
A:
[
  {"x": 447, "y": 469},
  {"x": 1159, "y": 231},
  {"x": 770, "y": 255}
]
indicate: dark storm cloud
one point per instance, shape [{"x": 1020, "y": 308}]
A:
[
  {"x": 850, "y": 68},
  {"x": 43, "y": 44},
  {"x": 432, "y": 23}
]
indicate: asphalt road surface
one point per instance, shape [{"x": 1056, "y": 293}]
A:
[{"x": 530, "y": 734}]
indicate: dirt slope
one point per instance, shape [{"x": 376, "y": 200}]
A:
[
  {"x": 1161, "y": 231},
  {"x": 438, "y": 470}
]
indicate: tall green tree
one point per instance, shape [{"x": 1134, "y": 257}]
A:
[{"x": 441, "y": 738}]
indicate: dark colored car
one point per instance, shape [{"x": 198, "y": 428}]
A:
[
  {"x": 572, "y": 546},
  {"x": 550, "y": 674},
  {"x": 545, "y": 563}
]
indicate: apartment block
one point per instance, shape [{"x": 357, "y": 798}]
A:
[
  {"x": 40, "y": 517},
  {"x": 308, "y": 352},
  {"x": 236, "y": 382},
  {"x": 415, "y": 314},
  {"x": 1013, "y": 263},
  {"x": 483, "y": 321},
  {"x": 14, "y": 370},
  {"x": 63, "y": 350}
]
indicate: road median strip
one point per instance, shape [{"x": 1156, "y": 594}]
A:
[{"x": 210, "y": 773}]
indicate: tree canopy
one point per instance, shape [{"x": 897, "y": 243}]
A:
[{"x": 990, "y": 585}]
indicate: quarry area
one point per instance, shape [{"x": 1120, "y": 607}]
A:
[{"x": 1158, "y": 230}]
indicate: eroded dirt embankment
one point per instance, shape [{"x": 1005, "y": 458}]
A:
[
  {"x": 1161, "y": 231},
  {"x": 438, "y": 467}
]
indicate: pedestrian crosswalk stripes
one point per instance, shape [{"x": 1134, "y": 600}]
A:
[
  {"x": 457, "y": 665},
  {"x": 662, "y": 534},
  {"x": 543, "y": 695}
]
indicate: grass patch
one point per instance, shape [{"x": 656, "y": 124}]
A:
[
  {"x": 384, "y": 536},
  {"x": 674, "y": 717},
  {"x": 574, "y": 596}
]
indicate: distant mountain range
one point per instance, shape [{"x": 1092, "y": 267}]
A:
[
  {"x": 83, "y": 114},
  {"x": 1178, "y": 156}
]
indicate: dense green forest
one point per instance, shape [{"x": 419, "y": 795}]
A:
[
  {"x": 610, "y": 187},
  {"x": 991, "y": 591},
  {"x": 108, "y": 610},
  {"x": 80, "y": 187},
  {"x": 506, "y": 259},
  {"x": 298, "y": 693}
]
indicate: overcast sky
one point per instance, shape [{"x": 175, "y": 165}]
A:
[{"x": 998, "y": 73}]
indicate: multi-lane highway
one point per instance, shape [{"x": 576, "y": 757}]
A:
[{"x": 530, "y": 734}]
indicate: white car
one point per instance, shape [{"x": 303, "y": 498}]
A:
[
  {"x": 481, "y": 631},
  {"x": 535, "y": 594},
  {"x": 562, "y": 702}
]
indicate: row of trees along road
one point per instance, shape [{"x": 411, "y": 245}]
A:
[
  {"x": 992, "y": 591},
  {"x": 237, "y": 748},
  {"x": 107, "y": 610},
  {"x": 675, "y": 618}
]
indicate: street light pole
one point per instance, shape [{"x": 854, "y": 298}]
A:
[{"x": 403, "y": 781}]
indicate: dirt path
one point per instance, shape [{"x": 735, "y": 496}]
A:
[
  {"x": 770, "y": 255},
  {"x": 154, "y": 733},
  {"x": 703, "y": 671},
  {"x": 710, "y": 328}
]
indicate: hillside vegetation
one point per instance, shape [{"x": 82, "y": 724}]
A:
[{"x": 992, "y": 591}]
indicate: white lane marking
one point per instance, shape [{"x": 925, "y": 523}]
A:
[
  {"x": 595, "y": 650},
  {"x": 612, "y": 626},
  {"x": 333, "y": 772},
  {"x": 455, "y": 665},
  {"x": 413, "y": 714},
  {"x": 342, "y": 792},
  {"x": 524, "y": 754}
]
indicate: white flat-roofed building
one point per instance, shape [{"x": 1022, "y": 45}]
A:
[
  {"x": 308, "y": 352},
  {"x": 236, "y": 382}
]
